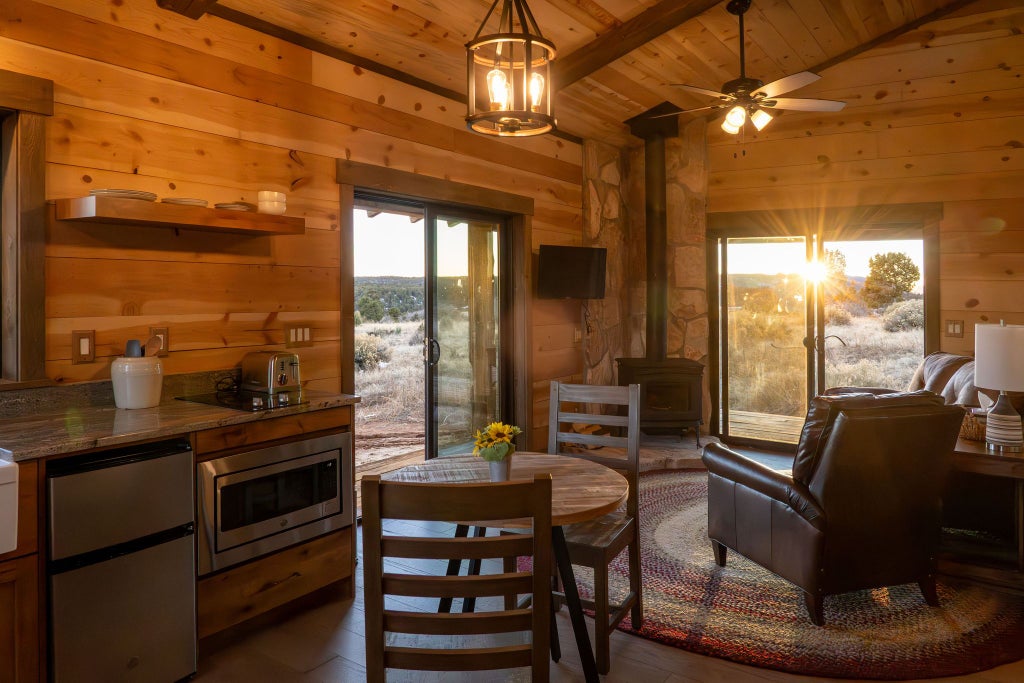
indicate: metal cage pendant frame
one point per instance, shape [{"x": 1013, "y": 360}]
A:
[{"x": 511, "y": 72}]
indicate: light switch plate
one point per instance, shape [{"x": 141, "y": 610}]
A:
[
  {"x": 955, "y": 328},
  {"x": 83, "y": 346},
  {"x": 298, "y": 335}
]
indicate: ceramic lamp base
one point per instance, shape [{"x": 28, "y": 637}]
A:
[{"x": 1003, "y": 433}]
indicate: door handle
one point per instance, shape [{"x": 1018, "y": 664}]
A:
[{"x": 431, "y": 351}]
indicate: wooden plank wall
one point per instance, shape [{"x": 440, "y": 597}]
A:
[
  {"x": 149, "y": 100},
  {"x": 936, "y": 115}
]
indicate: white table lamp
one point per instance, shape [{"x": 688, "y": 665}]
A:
[{"x": 999, "y": 364}]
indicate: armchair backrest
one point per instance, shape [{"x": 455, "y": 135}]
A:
[
  {"x": 822, "y": 414},
  {"x": 879, "y": 480}
]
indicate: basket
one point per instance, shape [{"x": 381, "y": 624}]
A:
[{"x": 973, "y": 427}]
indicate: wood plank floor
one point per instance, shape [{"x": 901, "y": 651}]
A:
[{"x": 323, "y": 642}]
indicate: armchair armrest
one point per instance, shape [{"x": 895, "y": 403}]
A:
[{"x": 738, "y": 468}]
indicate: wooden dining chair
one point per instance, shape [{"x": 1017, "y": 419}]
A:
[
  {"x": 611, "y": 438},
  {"x": 453, "y": 503}
]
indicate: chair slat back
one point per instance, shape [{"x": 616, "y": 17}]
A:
[
  {"x": 456, "y": 503},
  {"x": 574, "y": 404}
]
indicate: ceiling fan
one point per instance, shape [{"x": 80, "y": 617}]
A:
[{"x": 751, "y": 97}]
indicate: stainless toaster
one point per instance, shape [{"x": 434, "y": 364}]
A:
[{"x": 270, "y": 371}]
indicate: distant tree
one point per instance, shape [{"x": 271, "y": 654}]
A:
[
  {"x": 836, "y": 284},
  {"x": 890, "y": 276},
  {"x": 371, "y": 309},
  {"x": 394, "y": 313}
]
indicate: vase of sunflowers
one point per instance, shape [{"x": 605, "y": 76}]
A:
[{"x": 494, "y": 444}]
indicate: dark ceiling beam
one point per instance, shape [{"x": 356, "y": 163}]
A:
[
  {"x": 619, "y": 42},
  {"x": 193, "y": 9},
  {"x": 256, "y": 24},
  {"x": 934, "y": 15}
]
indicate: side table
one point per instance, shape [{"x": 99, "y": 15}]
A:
[{"x": 972, "y": 456}]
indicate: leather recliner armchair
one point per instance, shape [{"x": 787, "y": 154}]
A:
[{"x": 862, "y": 507}]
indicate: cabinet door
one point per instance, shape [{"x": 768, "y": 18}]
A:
[{"x": 19, "y": 621}]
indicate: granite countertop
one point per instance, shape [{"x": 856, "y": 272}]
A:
[{"x": 41, "y": 432}]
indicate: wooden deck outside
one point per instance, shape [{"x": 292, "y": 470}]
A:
[{"x": 778, "y": 428}]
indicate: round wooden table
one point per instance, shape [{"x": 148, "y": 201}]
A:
[{"x": 580, "y": 490}]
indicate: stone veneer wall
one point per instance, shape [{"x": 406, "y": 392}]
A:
[
  {"x": 605, "y": 224},
  {"x": 687, "y": 185}
]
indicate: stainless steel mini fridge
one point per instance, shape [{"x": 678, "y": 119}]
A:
[{"x": 122, "y": 565}]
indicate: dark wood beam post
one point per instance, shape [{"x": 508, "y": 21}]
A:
[
  {"x": 638, "y": 31},
  {"x": 193, "y": 9}
]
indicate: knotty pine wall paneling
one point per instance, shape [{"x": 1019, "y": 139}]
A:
[
  {"x": 147, "y": 99},
  {"x": 936, "y": 115}
]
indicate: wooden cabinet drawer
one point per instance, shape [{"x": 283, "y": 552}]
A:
[
  {"x": 250, "y": 433},
  {"x": 243, "y": 592},
  {"x": 19, "y": 620},
  {"x": 28, "y": 510}
]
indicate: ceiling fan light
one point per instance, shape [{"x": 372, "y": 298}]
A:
[
  {"x": 736, "y": 117},
  {"x": 760, "y": 118},
  {"x": 729, "y": 128}
]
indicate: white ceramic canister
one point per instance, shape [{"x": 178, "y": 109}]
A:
[
  {"x": 271, "y": 202},
  {"x": 137, "y": 382}
]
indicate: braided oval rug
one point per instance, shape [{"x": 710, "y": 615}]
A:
[{"x": 745, "y": 613}]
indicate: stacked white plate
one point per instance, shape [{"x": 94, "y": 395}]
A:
[
  {"x": 271, "y": 202},
  {"x": 125, "y": 194},
  {"x": 186, "y": 201},
  {"x": 235, "y": 206}
]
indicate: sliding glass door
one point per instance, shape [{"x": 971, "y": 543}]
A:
[
  {"x": 463, "y": 344},
  {"x": 799, "y": 314},
  {"x": 764, "y": 321}
]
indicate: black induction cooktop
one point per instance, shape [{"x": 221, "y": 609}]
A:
[{"x": 249, "y": 401}]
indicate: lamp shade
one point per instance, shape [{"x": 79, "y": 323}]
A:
[{"x": 999, "y": 357}]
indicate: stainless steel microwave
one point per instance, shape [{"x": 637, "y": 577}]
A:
[{"x": 256, "y": 502}]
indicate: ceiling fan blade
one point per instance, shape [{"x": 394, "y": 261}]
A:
[
  {"x": 686, "y": 111},
  {"x": 787, "y": 83},
  {"x": 798, "y": 104},
  {"x": 703, "y": 91}
]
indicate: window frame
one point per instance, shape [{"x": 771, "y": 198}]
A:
[{"x": 25, "y": 102}]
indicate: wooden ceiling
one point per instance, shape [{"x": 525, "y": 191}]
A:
[{"x": 616, "y": 58}]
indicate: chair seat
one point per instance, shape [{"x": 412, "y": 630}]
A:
[{"x": 610, "y": 533}]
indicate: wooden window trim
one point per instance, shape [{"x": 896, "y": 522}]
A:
[{"x": 25, "y": 102}]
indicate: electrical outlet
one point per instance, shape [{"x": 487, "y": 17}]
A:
[
  {"x": 165, "y": 339},
  {"x": 955, "y": 328},
  {"x": 298, "y": 335},
  {"x": 83, "y": 346}
]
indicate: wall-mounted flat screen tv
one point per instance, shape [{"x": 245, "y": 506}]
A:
[{"x": 570, "y": 272}]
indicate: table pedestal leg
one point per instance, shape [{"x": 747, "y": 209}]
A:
[
  {"x": 444, "y": 605},
  {"x": 572, "y": 599}
]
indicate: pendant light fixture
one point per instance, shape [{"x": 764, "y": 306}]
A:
[{"x": 509, "y": 75}]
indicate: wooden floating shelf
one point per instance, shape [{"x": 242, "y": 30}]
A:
[{"x": 119, "y": 210}]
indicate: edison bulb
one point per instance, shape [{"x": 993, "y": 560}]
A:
[
  {"x": 536, "y": 90},
  {"x": 497, "y": 89}
]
